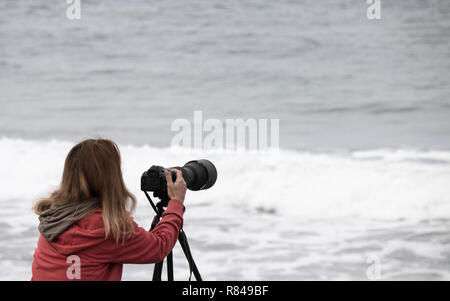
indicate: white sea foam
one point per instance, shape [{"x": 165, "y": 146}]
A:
[{"x": 375, "y": 184}]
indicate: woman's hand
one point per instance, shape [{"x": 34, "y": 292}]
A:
[{"x": 176, "y": 190}]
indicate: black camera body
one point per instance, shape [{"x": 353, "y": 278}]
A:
[{"x": 198, "y": 175}]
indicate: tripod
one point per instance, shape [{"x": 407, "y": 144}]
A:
[{"x": 182, "y": 239}]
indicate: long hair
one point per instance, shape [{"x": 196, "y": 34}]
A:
[{"x": 93, "y": 170}]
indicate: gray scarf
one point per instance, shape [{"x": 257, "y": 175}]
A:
[{"x": 60, "y": 219}]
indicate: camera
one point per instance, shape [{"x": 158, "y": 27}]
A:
[{"x": 198, "y": 175}]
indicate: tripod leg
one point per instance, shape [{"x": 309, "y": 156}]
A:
[
  {"x": 187, "y": 252},
  {"x": 154, "y": 222},
  {"x": 170, "y": 267},
  {"x": 157, "y": 270}
]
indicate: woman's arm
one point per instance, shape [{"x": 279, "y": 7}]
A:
[{"x": 145, "y": 246}]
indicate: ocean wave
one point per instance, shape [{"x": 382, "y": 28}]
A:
[{"x": 381, "y": 184}]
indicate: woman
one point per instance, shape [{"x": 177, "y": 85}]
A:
[{"x": 86, "y": 227}]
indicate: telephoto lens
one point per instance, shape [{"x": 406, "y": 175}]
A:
[{"x": 198, "y": 175}]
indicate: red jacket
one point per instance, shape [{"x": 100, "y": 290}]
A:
[{"x": 100, "y": 258}]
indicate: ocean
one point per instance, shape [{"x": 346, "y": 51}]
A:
[{"x": 363, "y": 170}]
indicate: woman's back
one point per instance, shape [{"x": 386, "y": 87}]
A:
[{"x": 82, "y": 253}]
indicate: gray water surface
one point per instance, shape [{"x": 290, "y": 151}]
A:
[{"x": 126, "y": 70}]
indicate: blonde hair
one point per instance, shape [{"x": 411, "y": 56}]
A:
[{"x": 93, "y": 170}]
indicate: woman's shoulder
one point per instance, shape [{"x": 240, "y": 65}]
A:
[{"x": 93, "y": 220}]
